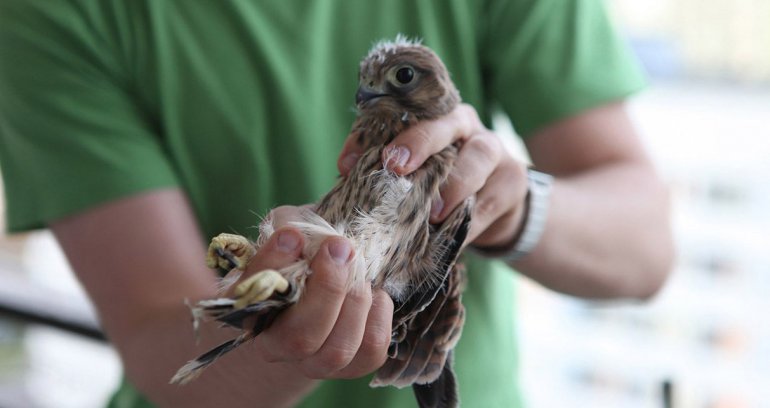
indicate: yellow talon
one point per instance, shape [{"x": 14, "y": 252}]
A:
[
  {"x": 259, "y": 287},
  {"x": 228, "y": 251}
]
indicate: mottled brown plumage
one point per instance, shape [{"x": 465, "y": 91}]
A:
[{"x": 386, "y": 217}]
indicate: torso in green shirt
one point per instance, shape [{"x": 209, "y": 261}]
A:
[{"x": 245, "y": 105}]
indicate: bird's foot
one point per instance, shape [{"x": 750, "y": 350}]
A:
[
  {"x": 229, "y": 251},
  {"x": 259, "y": 287}
]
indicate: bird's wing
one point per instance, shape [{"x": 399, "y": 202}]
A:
[
  {"x": 428, "y": 325},
  {"x": 427, "y": 338}
]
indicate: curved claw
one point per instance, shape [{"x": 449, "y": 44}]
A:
[{"x": 233, "y": 262}]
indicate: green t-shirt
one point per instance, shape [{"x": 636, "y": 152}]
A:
[{"x": 245, "y": 104}]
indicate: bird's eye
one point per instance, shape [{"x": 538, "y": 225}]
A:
[{"x": 404, "y": 75}]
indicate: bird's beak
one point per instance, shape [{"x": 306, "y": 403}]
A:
[{"x": 366, "y": 94}]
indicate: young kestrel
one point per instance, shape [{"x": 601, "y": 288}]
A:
[{"x": 386, "y": 217}]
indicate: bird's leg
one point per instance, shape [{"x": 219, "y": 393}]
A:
[
  {"x": 229, "y": 251},
  {"x": 259, "y": 287}
]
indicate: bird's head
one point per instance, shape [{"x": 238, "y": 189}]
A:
[{"x": 403, "y": 78}]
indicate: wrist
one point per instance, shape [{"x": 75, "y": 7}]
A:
[{"x": 531, "y": 221}]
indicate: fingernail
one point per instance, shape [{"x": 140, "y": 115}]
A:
[
  {"x": 397, "y": 156},
  {"x": 436, "y": 206},
  {"x": 349, "y": 161},
  {"x": 340, "y": 251},
  {"x": 287, "y": 241}
]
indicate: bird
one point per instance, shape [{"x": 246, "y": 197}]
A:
[{"x": 386, "y": 218}]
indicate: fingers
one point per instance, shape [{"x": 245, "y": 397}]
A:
[
  {"x": 483, "y": 168},
  {"x": 332, "y": 332},
  {"x": 343, "y": 342},
  {"x": 359, "y": 342},
  {"x": 476, "y": 161},
  {"x": 351, "y": 152},
  {"x": 302, "y": 329},
  {"x": 500, "y": 205},
  {"x": 409, "y": 150},
  {"x": 285, "y": 244},
  {"x": 373, "y": 350}
]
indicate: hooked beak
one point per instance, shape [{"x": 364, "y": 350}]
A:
[{"x": 366, "y": 94}]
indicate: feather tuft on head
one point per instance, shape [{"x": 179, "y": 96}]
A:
[{"x": 390, "y": 46}]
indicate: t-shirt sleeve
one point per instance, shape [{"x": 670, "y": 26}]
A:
[
  {"x": 550, "y": 59},
  {"x": 71, "y": 134}
]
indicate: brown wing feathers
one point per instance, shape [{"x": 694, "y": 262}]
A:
[{"x": 428, "y": 325}]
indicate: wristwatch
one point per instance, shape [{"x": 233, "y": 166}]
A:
[{"x": 537, "y": 202}]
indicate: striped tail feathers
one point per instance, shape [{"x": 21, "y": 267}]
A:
[
  {"x": 441, "y": 393},
  {"x": 264, "y": 312},
  {"x": 258, "y": 316},
  {"x": 252, "y": 320},
  {"x": 194, "y": 368}
]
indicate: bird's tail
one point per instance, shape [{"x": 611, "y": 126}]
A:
[
  {"x": 194, "y": 368},
  {"x": 441, "y": 393},
  {"x": 258, "y": 316}
]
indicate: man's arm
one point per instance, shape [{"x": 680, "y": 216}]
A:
[
  {"x": 608, "y": 230},
  {"x": 607, "y": 233},
  {"x": 141, "y": 257}
]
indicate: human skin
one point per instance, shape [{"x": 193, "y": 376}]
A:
[{"x": 140, "y": 258}]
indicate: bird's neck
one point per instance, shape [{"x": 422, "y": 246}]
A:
[{"x": 377, "y": 129}]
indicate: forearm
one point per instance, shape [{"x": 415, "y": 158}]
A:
[
  {"x": 139, "y": 259},
  {"x": 241, "y": 378},
  {"x": 607, "y": 234}
]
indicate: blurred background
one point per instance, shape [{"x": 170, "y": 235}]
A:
[
  {"x": 706, "y": 121},
  {"x": 704, "y": 341}
]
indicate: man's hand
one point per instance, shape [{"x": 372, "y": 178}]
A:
[
  {"x": 483, "y": 167},
  {"x": 607, "y": 234},
  {"x": 331, "y": 332}
]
